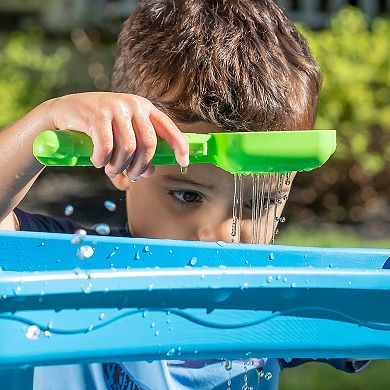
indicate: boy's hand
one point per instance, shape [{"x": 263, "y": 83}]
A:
[{"x": 123, "y": 128}]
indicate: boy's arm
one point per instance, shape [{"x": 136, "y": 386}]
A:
[
  {"x": 123, "y": 128},
  {"x": 18, "y": 167}
]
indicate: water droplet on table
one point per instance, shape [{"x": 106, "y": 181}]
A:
[
  {"x": 84, "y": 252},
  {"x": 193, "y": 261},
  {"x": 79, "y": 235},
  {"x": 33, "y": 332}
]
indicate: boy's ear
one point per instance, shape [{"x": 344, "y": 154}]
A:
[{"x": 121, "y": 181}]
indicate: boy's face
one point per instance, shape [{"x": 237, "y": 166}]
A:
[{"x": 194, "y": 206}]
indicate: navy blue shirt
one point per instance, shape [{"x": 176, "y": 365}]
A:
[{"x": 43, "y": 223}]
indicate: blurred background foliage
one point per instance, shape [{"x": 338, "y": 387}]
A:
[
  {"x": 27, "y": 73},
  {"x": 353, "y": 187}
]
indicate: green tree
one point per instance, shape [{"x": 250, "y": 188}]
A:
[
  {"x": 355, "y": 100},
  {"x": 27, "y": 73}
]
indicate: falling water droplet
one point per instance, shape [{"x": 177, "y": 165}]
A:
[
  {"x": 109, "y": 205},
  {"x": 282, "y": 219},
  {"x": 33, "y": 332},
  {"x": 84, "y": 252},
  {"x": 102, "y": 229},
  {"x": 267, "y": 376},
  {"x": 47, "y": 333},
  {"x": 69, "y": 210},
  {"x": 183, "y": 170}
]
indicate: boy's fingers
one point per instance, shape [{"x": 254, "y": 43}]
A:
[
  {"x": 124, "y": 146},
  {"x": 102, "y": 139},
  {"x": 146, "y": 146},
  {"x": 166, "y": 129},
  {"x": 149, "y": 172}
]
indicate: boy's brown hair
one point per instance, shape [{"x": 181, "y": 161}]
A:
[{"x": 239, "y": 64}]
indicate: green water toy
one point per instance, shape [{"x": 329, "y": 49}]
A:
[{"x": 238, "y": 153}]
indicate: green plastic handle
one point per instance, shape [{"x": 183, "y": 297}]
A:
[
  {"x": 241, "y": 153},
  {"x": 73, "y": 148}
]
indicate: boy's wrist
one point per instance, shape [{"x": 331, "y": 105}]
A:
[{"x": 42, "y": 117}]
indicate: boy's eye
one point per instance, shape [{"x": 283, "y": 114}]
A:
[{"x": 186, "y": 196}]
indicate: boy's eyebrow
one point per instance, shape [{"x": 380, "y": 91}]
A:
[{"x": 184, "y": 180}]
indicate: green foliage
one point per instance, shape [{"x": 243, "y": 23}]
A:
[
  {"x": 320, "y": 376},
  {"x": 355, "y": 97},
  {"x": 355, "y": 100},
  {"x": 27, "y": 73}
]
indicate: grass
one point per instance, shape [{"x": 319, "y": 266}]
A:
[
  {"x": 320, "y": 376},
  {"x": 332, "y": 237}
]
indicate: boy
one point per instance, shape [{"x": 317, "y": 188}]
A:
[{"x": 182, "y": 66}]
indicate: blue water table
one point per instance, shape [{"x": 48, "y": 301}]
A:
[{"x": 198, "y": 300}]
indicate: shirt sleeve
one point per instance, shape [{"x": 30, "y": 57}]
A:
[
  {"x": 43, "y": 223},
  {"x": 347, "y": 365}
]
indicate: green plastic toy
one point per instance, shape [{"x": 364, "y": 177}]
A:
[{"x": 237, "y": 153}]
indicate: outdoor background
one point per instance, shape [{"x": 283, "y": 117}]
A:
[{"x": 50, "y": 48}]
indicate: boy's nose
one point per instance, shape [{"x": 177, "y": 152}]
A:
[{"x": 221, "y": 231}]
